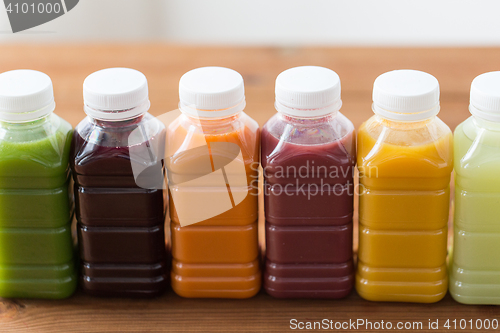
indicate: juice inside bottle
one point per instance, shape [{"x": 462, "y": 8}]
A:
[
  {"x": 120, "y": 223},
  {"x": 405, "y": 163},
  {"x": 36, "y": 244},
  {"x": 212, "y": 164},
  {"x": 308, "y": 158},
  {"x": 475, "y": 263}
]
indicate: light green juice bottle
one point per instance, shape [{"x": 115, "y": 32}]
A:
[
  {"x": 36, "y": 243},
  {"x": 475, "y": 264}
]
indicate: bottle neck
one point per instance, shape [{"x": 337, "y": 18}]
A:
[
  {"x": 301, "y": 120},
  {"x": 117, "y": 115},
  {"x": 116, "y": 123},
  {"x": 486, "y": 124},
  {"x": 402, "y": 124},
  {"x": 212, "y": 126},
  {"x": 213, "y": 122},
  {"x": 26, "y": 124}
]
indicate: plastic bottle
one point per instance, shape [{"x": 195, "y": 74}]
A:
[
  {"x": 308, "y": 158},
  {"x": 476, "y": 256},
  {"x": 36, "y": 245},
  {"x": 120, "y": 223},
  {"x": 405, "y": 160},
  {"x": 212, "y": 161}
]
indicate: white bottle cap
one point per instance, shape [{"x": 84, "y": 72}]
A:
[
  {"x": 407, "y": 95},
  {"x": 211, "y": 92},
  {"x": 308, "y": 91},
  {"x": 115, "y": 94},
  {"x": 25, "y": 95},
  {"x": 485, "y": 96}
]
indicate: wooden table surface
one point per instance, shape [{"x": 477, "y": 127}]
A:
[{"x": 163, "y": 65}]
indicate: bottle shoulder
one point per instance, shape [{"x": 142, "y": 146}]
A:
[
  {"x": 477, "y": 149},
  {"x": 63, "y": 125},
  {"x": 49, "y": 136},
  {"x": 37, "y": 150},
  {"x": 116, "y": 149},
  {"x": 185, "y": 133},
  {"x": 309, "y": 131},
  {"x": 329, "y": 141},
  {"x": 119, "y": 134},
  {"x": 401, "y": 150},
  {"x": 404, "y": 134}
]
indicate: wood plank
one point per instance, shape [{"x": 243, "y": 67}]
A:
[
  {"x": 170, "y": 313},
  {"x": 163, "y": 65}
]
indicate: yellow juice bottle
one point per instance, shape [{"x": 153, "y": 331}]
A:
[
  {"x": 475, "y": 264},
  {"x": 405, "y": 160}
]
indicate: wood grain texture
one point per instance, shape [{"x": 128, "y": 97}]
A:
[
  {"x": 170, "y": 313},
  {"x": 163, "y": 65}
]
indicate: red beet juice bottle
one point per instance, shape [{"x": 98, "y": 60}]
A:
[
  {"x": 308, "y": 157},
  {"x": 120, "y": 214}
]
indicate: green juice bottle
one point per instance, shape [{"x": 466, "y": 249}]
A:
[
  {"x": 36, "y": 243},
  {"x": 475, "y": 264}
]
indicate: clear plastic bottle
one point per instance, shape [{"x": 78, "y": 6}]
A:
[
  {"x": 475, "y": 262},
  {"x": 120, "y": 216},
  {"x": 36, "y": 245},
  {"x": 308, "y": 158},
  {"x": 405, "y": 160},
  {"x": 212, "y": 162}
]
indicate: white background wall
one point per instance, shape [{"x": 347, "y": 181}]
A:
[{"x": 273, "y": 22}]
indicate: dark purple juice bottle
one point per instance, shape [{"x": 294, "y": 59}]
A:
[
  {"x": 120, "y": 202},
  {"x": 308, "y": 157}
]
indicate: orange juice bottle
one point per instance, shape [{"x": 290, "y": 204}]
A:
[
  {"x": 405, "y": 160},
  {"x": 212, "y": 161}
]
